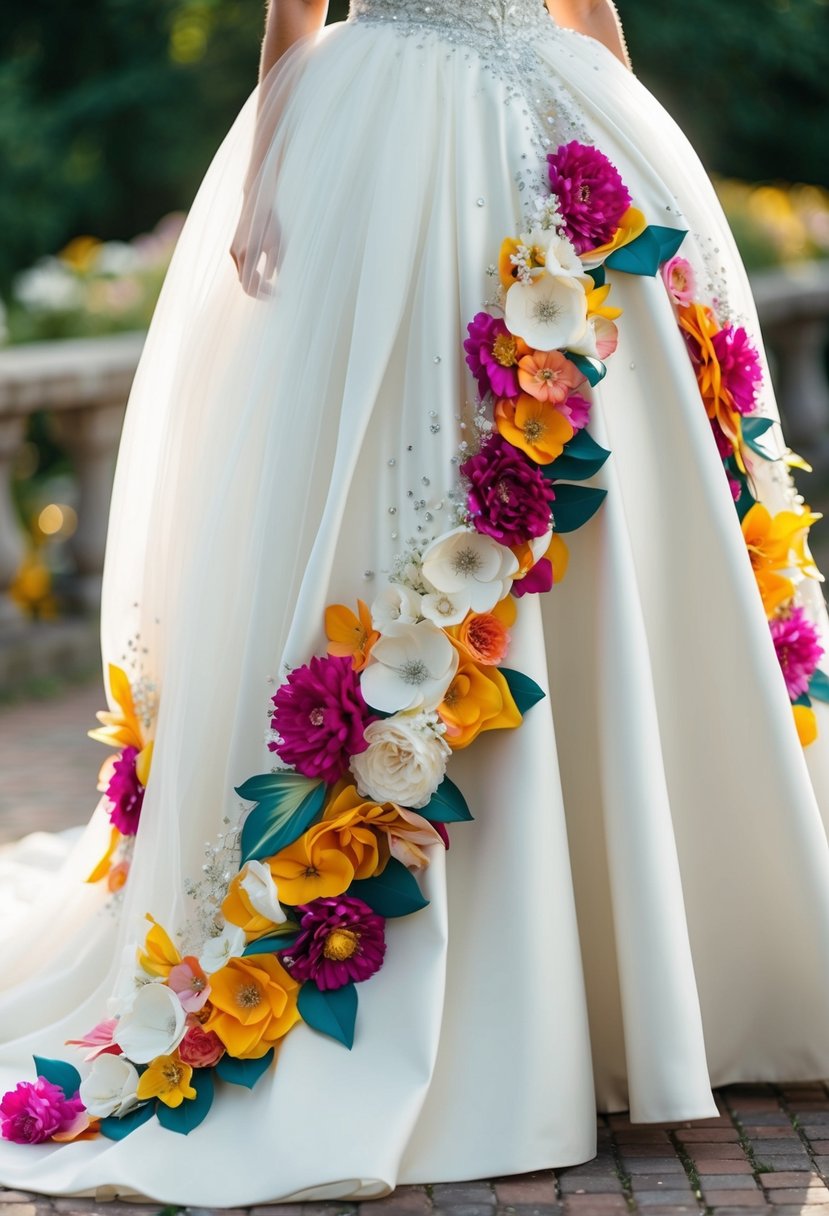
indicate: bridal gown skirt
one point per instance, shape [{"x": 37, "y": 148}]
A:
[{"x": 640, "y": 909}]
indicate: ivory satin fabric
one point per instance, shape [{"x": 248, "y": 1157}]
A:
[{"x": 640, "y": 909}]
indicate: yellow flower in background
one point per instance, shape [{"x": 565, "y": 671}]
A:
[
  {"x": 81, "y": 253},
  {"x": 253, "y": 1005},
  {"x": 159, "y": 955},
  {"x": 349, "y": 635},
  {"x": 168, "y": 1079}
]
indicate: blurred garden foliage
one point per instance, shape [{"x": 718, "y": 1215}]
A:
[{"x": 110, "y": 111}]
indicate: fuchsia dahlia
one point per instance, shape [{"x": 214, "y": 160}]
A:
[
  {"x": 342, "y": 941},
  {"x": 33, "y": 1112},
  {"x": 320, "y": 714},
  {"x": 798, "y": 649},
  {"x": 126, "y": 793},
  {"x": 492, "y": 354},
  {"x": 509, "y": 497},
  {"x": 740, "y": 366},
  {"x": 592, "y": 197}
]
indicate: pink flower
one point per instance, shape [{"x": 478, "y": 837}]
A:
[
  {"x": 342, "y": 941},
  {"x": 125, "y": 792},
  {"x": 492, "y": 354},
  {"x": 735, "y": 486},
  {"x": 798, "y": 649},
  {"x": 576, "y": 409},
  {"x": 509, "y": 497},
  {"x": 32, "y": 1113},
  {"x": 724, "y": 445},
  {"x": 548, "y": 376},
  {"x": 190, "y": 984},
  {"x": 201, "y": 1048},
  {"x": 99, "y": 1040},
  {"x": 740, "y": 366},
  {"x": 320, "y": 715},
  {"x": 591, "y": 195},
  {"x": 679, "y": 278},
  {"x": 536, "y": 581}
]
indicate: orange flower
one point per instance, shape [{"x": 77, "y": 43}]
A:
[
  {"x": 477, "y": 699},
  {"x": 119, "y": 729},
  {"x": 536, "y": 427},
  {"x": 311, "y": 868},
  {"x": 548, "y": 376},
  {"x": 776, "y": 543},
  {"x": 484, "y": 636},
  {"x": 701, "y": 325},
  {"x": 253, "y": 1005},
  {"x": 399, "y": 832},
  {"x": 118, "y": 875},
  {"x": 159, "y": 955},
  {"x": 350, "y": 635}
]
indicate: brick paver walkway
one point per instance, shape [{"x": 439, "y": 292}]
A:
[{"x": 768, "y": 1149}]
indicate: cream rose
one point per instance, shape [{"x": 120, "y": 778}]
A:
[{"x": 404, "y": 762}]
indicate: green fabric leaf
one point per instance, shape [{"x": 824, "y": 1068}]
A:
[
  {"x": 574, "y": 505},
  {"x": 581, "y": 458},
  {"x": 395, "y": 892},
  {"x": 803, "y": 699},
  {"x": 332, "y": 1012},
  {"x": 287, "y": 804},
  {"x": 592, "y": 369},
  {"x": 116, "y": 1129},
  {"x": 273, "y": 942},
  {"x": 819, "y": 685},
  {"x": 193, "y": 1111},
  {"x": 525, "y": 692},
  {"x": 746, "y": 500},
  {"x": 58, "y": 1072},
  {"x": 244, "y": 1072},
  {"x": 447, "y": 805},
  {"x": 647, "y": 253},
  {"x": 753, "y": 428},
  {"x": 598, "y": 276}
]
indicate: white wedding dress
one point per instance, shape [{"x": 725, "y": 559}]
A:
[{"x": 640, "y": 909}]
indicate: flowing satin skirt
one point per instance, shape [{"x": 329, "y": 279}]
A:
[{"x": 640, "y": 909}]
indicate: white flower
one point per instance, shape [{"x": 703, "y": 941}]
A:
[
  {"x": 395, "y": 602},
  {"x": 445, "y": 609},
  {"x": 473, "y": 569},
  {"x": 599, "y": 339},
  {"x": 550, "y": 313},
  {"x": 217, "y": 950},
  {"x": 131, "y": 979},
  {"x": 110, "y": 1087},
  {"x": 561, "y": 258},
  {"x": 547, "y": 211},
  {"x": 48, "y": 286},
  {"x": 404, "y": 762},
  {"x": 117, "y": 257},
  {"x": 153, "y": 1026},
  {"x": 260, "y": 888},
  {"x": 410, "y": 667}
]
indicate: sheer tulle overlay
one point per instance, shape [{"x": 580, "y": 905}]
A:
[{"x": 648, "y": 849}]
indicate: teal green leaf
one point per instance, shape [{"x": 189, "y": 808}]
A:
[
  {"x": 598, "y": 276},
  {"x": 244, "y": 1072},
  {"x": 746, "y": 500},
  {"x": 819, "y": 685},
  {"x": 273, "y": 942},
  {"x": 193, "y": 1111},
  {"x": 581, "y": 458},
  {"x": 58, "y": 1072},
  {"x": 525, "y": 692},
  {"x": 117, "y": 1129},
  {"x": 753, "y": 428},
  {"x": 287, "y": 804},
  {"x": 447, "y": 805},
  {"x": 592, "y": 369},
  {"x": 647, "y": 253},
  {"x": 803, "y": 699},
  {"x": 332, "y": 1012},
  {"x": 395, "y": 892},
  {"x": 574, "y": 505}
]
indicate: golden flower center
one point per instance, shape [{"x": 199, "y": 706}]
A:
[
  {"x": 310, "y": 872},
  {"x": 504, "y": 350},
  {"x": 533, "y": 429},
  {"x": 341, "y": 944},
  {"x": 546, "y": 373},
  {"x": 172, "y": 1073},
  {"x": 249, "y": 997},
  {"x": 198, "y": 984}
]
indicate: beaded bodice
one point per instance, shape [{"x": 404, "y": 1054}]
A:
[{"x": 464, "y": 22}]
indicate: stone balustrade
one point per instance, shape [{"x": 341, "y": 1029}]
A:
[{"x": 84, "y": 384}]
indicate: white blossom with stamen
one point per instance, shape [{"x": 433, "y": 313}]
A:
[
  {"x": 410, "y": 667},
  {"x": 474, "y": 570}
]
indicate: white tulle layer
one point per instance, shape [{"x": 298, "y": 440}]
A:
[{"x": 660, "y": 793}]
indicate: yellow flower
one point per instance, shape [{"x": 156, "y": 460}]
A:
[
  {"x": 596, "y": 306},
  {"x": 393, "y": 829},
  {"x": 805, "y": 720},
  {"x": 105, "y": 864},
  {"x": 238, "y": 909},
  {"x": 477, "y": 699},
  {"x": 631, "y": 225},
  {"x": 253, "y": 1005},
  {"x": 507, "y": 269},
  {"x": 536, "y": 427},
  {"x": 119, "y": 729},
  {"x": 777, "y": 543},
  {"x": 349, "y": 635},
  {"x": 168, "y": 1079},
  {"x": 159, "y": 955}
]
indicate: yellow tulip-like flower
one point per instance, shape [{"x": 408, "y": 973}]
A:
[
  {"x": 394, "y": 829},
  {"x": 311, "y": 868},
  {"x": 159, "y": 955},
  {"x": 805, "y": 721},
  {"x": 777, "y": 543},
  {"x": 253, "y": 1005},
  {"x": 168, "y": 1079},
  {"x": 119, "y": 729},
  {"x": 536, "y": 427},
  {"x": 596, "y": 306},
  {"x": 632, "y": 224},
  {"x": 477, "y": 699},
  {"x": 350, "y": 635}
]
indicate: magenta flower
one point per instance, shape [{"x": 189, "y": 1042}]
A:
[
  {"x": 798, "y": 649},
  {"x": 740, "y": 364},
  {"x": 33, "y": 1112},
  {"x": 509, "y": 497},
  {"x": 492, "y": 354},
  {"x": 591, "y": 195},
  {"x": 735, "y": 486},
  {"x": 320, "y": 715},
  {"x": 341, "y": 941},
  {"x": 576, "y": 409},
  {"x": 125, "y": 792},
  {"x": 724, "y": 445},
  {"x": 536, "y": 581}
]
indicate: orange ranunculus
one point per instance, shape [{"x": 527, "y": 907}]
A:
[
  {"x": 805, "y": 721},
  {"x": 477, "y": 699},
  {"x": 548, "y": 376},
  {"x": 777, "y": 543},
  {"x": 536, "y": 427},
  {"x": 701, "y": 325},
  {"x": 484, "y": 636},
  {"x": 506, "y": 267},
  {"x": 253, "y": 1005},
  {"x": 349, "y": 635},
  {"x": 159, "y": 955},
  {"x": 632, "y": 224}
]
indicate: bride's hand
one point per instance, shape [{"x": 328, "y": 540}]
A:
[{"x": 256, "y": 261}]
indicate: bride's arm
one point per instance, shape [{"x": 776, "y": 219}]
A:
[
  {"x": 597, "y": 18},
  {"x": 288, "y": 21}
]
